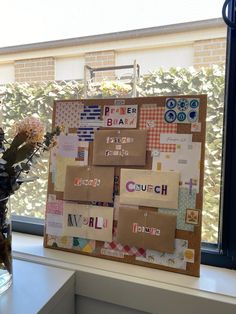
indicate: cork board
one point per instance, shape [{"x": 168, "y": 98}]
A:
[{"x": 126, "y": 180}]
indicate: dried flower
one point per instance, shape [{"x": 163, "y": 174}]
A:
[
  {"x": 32, "y": 127},
  {"x": 16, "y": 160}
]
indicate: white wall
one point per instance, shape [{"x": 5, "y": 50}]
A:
[
  {"x": 69, "y": 68},
  {"x": 7, "y": 73},
  {"x": 149, "y": 60},
  {"x": 152, "y": 59},
  {"x": 86, "y": 305}
]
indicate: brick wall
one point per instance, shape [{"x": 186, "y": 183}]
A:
[
  {"x": 35, "y": 70},
  {"x": 208, "y": 52},
  {"x": 99, "y": 59}
]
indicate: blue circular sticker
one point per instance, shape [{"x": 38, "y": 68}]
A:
[
  {"x": 194, "y": 103},
  {"x": 170, "y": 116},
  {"x": 192, "y": 116},
  {"x": 171, "y": 103},
  {"x": 181, "y": 116},
  {"x": 182, "y": 104}
]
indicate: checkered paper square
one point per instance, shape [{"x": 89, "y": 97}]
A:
[
  {"x": 126, "y": 249},
  {"x": 152, "y": 119}
]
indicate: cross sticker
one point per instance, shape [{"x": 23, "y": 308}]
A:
[{"x": 191, "y": 183}]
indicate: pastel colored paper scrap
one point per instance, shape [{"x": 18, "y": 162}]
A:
[
  {"x": 185, "y": 201},
  {"x": 88, "y": 222},
  {"x": 196, "y": 127},
  {"x": 189, "y": 255},
  {"x": 61, "y": 165},
  {"x": 192, "y": 216},
  {"x": 186, "y": 160},
  {"x": 159, "y": 126},
  {"x": 155, "y": 153},
  {"x": 54, "y": 207},
  {"x": 54, "y": 224},
  {"x": 88, "y": 248},
  {"x": 119, "y": 116},
  {"x": 68, "y": 145},
  {"x": 60, "y": 241},
  {"x": 65, "y": 242},
  {"x": 84, "y": 245},
  {"x": 53, "y": 157},
  {"x": 166, "y": 138},
  {"x": 112, "y": 253},
  {"x": 149, "y": 188},
  {"x": 51, "y": 240},
  {"x": 119, "y": 102},
  {"x": 173, "y": 260},
  {"x": 51, "y": 197}
]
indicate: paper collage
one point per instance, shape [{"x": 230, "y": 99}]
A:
[{"x": 125, "y": 180}]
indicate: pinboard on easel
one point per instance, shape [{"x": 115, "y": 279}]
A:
[{"x": 126, "y": 180}]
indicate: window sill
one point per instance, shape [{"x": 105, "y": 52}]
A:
[{"x": 133, "y": 286}]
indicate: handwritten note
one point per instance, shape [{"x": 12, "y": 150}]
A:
[{"x": 169, "y": 138}]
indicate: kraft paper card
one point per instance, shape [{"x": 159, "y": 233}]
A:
[
  {"x": 147, "y": 229},
  {"x": 120, "y": 147},
  {"x": 89, "y": 184},
  {"x": 88, "y": 222},
  {"x": 149, "y": 188}
]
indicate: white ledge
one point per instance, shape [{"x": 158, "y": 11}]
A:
[
  {"x": 39, "y": 289},
  {"x": 99, "y": 278}
]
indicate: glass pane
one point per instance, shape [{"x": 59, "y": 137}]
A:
[{"x": 178, "y": 58}]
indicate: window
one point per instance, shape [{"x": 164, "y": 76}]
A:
[
  {"x": 166, "y": 56},
  {"x": 227, "y": 247}
]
